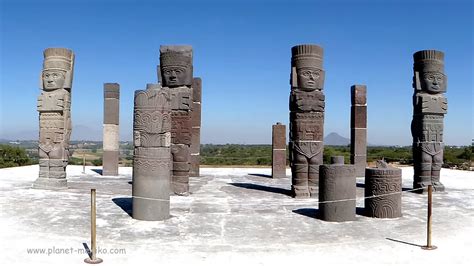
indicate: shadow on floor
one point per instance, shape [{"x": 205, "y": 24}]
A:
[
  {"x": 360, "y": 211},
  {"x": 125, "y": 204},
  {"x": 308, "y": 212},
  {"x": 403, "y": 242},
  {"x": 278, "y": 190},
  {"x": 99, "y": 171},
  {"x": 89, "y": 252},
  {"x": 262, "y": 175}
]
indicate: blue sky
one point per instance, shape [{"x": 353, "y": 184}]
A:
[{"x": 242, "y": 52}]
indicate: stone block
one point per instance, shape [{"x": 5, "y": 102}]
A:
[
  {"x": 278, "y": 163},
  {"x": 359, "y": 95},
  {"x": 358, "y": 141},
  {"x": 360, "y": 163},
  {"x": 337, "y": 183},
  {"x": 197, "y": 90},
  {"x": 381, "y": 181},
  {"x": 307, "y": 126},
  {"x": 110, "y": 161},
  {"x": 181, "y": 128},
  {"x": 358, "y": 116}
]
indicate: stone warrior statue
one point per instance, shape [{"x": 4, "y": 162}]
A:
[
  {"x": 54, "y": 107},
  {"x": 429, "y": 108},
  {"x": 306, "y": 119},
  {"x": 176, "y": 74}
]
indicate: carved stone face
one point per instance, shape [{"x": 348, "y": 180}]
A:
[
  {"x": 309, "y": 78},
  {"x": 174, "y": 76},
  {"x": 433, "y": 82},
  {"x": 53, "y": 79}
]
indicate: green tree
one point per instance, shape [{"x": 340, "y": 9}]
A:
[{"x": 13, "y": 156}]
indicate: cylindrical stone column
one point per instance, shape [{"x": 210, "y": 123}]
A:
[
  {"x": 359, "y": 128},
  {"x": 110, "y": 140},
  {"x": 379, "y": 181},
  {"x": 152, "y": 154},
  {"x": 196, "y": 128},
  {"x": 278, "y": 150},
  {"x": 337, "y": 187}
]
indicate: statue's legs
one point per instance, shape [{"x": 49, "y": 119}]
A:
[
  {"x": 422, "y": 163},
  {"x": 313, "y": 174},
  {"x": 180, "y": 175},
  {"x": 436, "y": 171},
  {"x": 299, "y": 172}
]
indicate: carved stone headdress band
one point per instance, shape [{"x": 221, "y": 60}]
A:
[
  {"x": 428, "y": 61},
  {"x": 178, "y": 55},
  {"x": 307, "y": 55},
  {"x": 58, "y": 58}
]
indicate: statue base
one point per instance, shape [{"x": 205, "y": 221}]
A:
[{"x": 50, "y": 183}]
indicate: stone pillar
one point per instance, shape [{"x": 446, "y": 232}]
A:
[
  {"x": 337, "y": 182},
  {"x": 196, "y": 127},
  {"x": 176, "y": 72},
  {"x": 379, "y": 181},
  {"x": 429, "y": 108},
  {"x": 359, "y": 128},
  {"x": 110, "y": 159},
  {"x": 278, "y": 150},
  {"x": 152, "y": 154},
  {"x": 306, "y": 119},
  {"x": 54, "y": 107}
]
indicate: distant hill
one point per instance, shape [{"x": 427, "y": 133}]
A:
[{"x": 335, "y": 139}]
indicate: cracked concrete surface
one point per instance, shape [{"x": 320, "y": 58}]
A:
[{"x": 236, "y": 216}]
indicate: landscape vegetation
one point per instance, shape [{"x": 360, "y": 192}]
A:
[{"x": 19, "y": 153}]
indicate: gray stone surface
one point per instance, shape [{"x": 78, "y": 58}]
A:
[
  {"x": 337, "y": 192},
  {"x": 429, "y": 108},
  {"x": 337, "y": 159},
  {"x": 54, "y": 107},
  {"x": 195, "y": 148},
  {"x": 152, "y": 154},
  {"x": 110, "y": 158},
  {"x": 278, "y": 150},
  {"x": 176, "y": 75},
  {"x": 232, "y": 217},
  {"x": 359, "y": 128},
  {"x": 379, "y": 181},
  {"x": 306, "y": 119}
]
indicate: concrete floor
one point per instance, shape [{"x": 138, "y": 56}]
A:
[{"x": 236, "y": 216}]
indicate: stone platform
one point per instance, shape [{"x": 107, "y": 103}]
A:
[{"x": 236, "y": 216}]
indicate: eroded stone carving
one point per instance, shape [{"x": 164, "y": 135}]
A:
[
  {"x": 381, "y": 180},
  {"x": 359, "y": 128},
  {"x": 54, "y": 107},
  {"x": 278, "y": 150},
  {"x": 306, "y": 119},
  {"x": 176, "y": 75},
  {"x": 429, "y": 108},
  {"x": 111, "y": 134},
  {"x": 152, "y": 154},
  {"x": 196, "y": 127},
  {"x": 337, "y": 191}
]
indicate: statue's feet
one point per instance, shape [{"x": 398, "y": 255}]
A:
[
  {"x": 300, "y": 192},
  {"x": 438, "y": 186},
  {"x": 420, "y": 187},
  {"x": 313, "y": 191},
  {"x": 186, "y": 193}
]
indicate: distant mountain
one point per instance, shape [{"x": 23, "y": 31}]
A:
[{"x": 335, "y": 139}]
